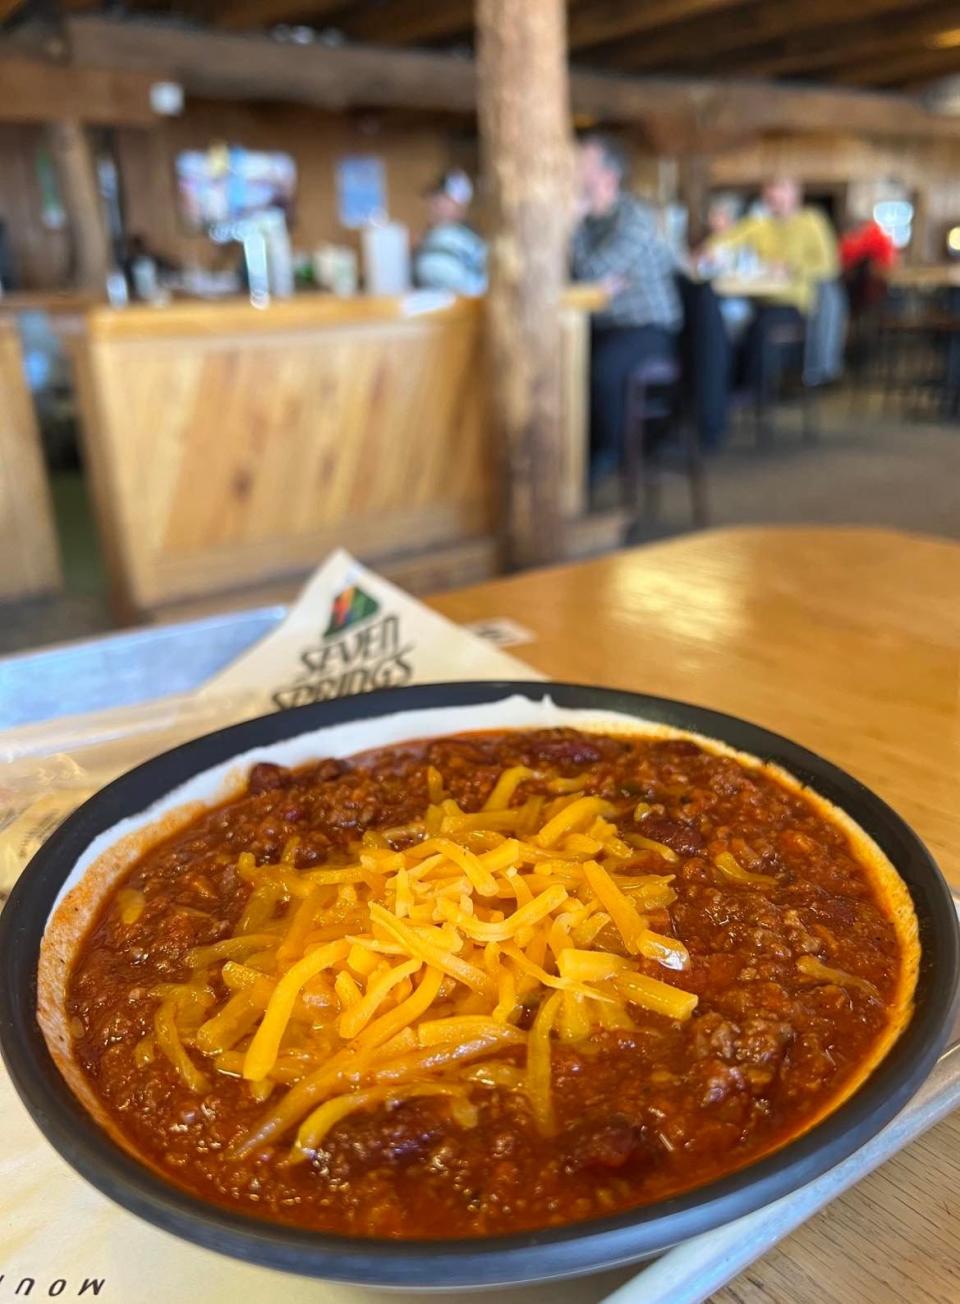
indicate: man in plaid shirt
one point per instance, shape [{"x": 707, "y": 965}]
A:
[{"x": 616, "y": 244}]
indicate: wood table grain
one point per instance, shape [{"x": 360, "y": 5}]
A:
[{"x": 848, "y": 641}]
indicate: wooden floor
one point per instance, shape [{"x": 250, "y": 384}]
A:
[{"x": 871, "y": 468}]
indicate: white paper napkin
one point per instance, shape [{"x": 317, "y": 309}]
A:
[{"x": 351, "y": 631}]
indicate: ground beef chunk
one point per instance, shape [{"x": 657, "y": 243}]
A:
[
  {"x": 264, "y": 777},
  {"x": 681, "y": 837}
]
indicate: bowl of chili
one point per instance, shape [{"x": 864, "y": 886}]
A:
[{"x": 513, "y": 982}]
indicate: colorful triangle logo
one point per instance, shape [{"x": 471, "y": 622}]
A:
[{"x": 348, "y": 608}]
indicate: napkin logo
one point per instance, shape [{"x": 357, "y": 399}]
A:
[
  {"x": 88, "y": 1287},
  {"x": 356, "y": 654},
  {"x": 349, "y": 608}
]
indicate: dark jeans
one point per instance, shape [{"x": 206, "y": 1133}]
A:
[
  {"x": 761, "y": 357},
  {"x": 706, "y": 360},
  {"x": 615, "y": 352}
]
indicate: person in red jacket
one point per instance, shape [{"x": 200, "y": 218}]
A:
[
  {"x": 866, "y": 255},
  {"x": 867, "y": 242}
]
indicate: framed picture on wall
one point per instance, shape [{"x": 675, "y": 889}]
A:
[
  {"x": 227, "y": 182},
  {"x": 361, "y": 190}
]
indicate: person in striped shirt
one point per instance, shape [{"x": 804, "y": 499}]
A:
[{"x": 451, "y": 255}]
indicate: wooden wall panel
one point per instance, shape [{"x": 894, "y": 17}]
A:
[
  {"x": 29, "y": 562},
  {"x": 413, "y": 154},
  {"x": 41, "y": 257}
]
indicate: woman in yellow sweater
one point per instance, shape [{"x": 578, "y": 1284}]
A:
[{"x": 789, "y": 239}]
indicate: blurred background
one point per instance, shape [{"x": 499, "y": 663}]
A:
[{"x": 462, "y": 288}]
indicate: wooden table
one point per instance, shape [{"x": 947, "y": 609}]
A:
[
  {"x": 749, "y": 287},
  {"x": 847, "y": 640}
]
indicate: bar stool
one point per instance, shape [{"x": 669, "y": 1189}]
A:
[
  {"x": 921, "y": 355},
  {"x": 653, "y": 412},
  {"x": 783, "y": 340}
]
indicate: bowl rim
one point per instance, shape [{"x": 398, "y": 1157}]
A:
[{"x": 517, "y": 1258}]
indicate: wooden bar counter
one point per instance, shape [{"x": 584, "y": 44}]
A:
[
  {"x": 230, "y": 446},
  {"x": 29, "y": 560}
]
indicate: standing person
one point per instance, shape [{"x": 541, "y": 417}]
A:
[
  {"x": 617, "y": 245},
  {"x": 794, "y": 241},
  {"x": 451, "y": 255}
]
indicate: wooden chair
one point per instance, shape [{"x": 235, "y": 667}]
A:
[{"x": 920, "y": 360}]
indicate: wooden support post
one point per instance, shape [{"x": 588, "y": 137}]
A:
[
  {"x": 524, "y": 114},
  {"x": 76, "y": 169},
  {"x": 693, "y": 191},
  {"x": 923, "y": 245}
]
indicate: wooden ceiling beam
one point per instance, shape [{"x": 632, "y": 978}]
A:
[
  {"x": 232, "y": 66},
  {"x": 714, "y": 110},
  {"x": 612, "y": 20},
  {"x": 37, "y": 90},
  {"x": 911, "y": 65},
  {"x": 407, "y": 22},
  {"x": 239, "y": 14},
  {"x": 248, "y": 66},
  {"x": 808, "y": 54},
  {"x": 907, "y": 66},
  {"x": 703, "y": 43}
]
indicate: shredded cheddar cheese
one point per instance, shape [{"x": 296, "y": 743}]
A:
[
  {"x": 811, "y": 967},
  {"x": 414, "y": 964},
  {"x": 131, "y": 904},
  {"x": 731, "y": 868}
]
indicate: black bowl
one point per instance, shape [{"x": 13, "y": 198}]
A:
[{"x": 499, "y": 1260}]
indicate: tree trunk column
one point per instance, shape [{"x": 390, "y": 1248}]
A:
[
  {"x": 524, "y": 114},
  {"x": 76, "y": 171},
  {"x": 693, "y": 191}
]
